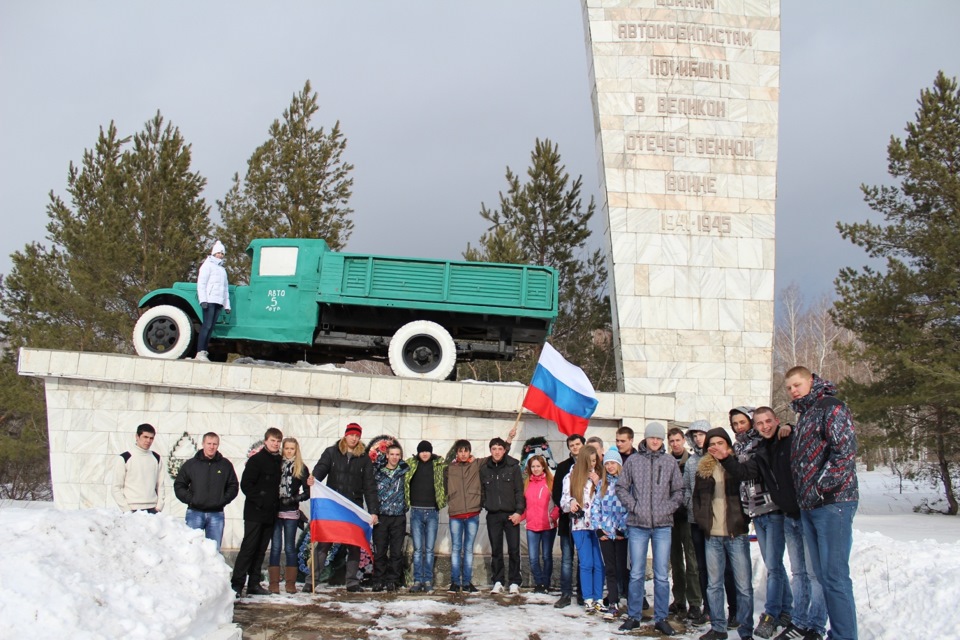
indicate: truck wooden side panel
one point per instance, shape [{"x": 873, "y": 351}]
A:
[{"x": 481, "y": 288}]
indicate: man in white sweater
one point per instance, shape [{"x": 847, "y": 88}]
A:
[{"x": 138, "y": 475}]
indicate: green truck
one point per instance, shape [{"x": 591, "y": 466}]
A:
[{"x": 307, "y": 302}]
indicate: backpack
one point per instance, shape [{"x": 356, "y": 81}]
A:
[{"x": 126, "y": 457}]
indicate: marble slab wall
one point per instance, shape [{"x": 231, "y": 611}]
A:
[
  {"x": 685, "y": 96},
  {"x": 95, "y": 402}
]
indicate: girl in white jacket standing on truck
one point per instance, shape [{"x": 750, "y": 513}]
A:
[{"x": 213, "y": 294}]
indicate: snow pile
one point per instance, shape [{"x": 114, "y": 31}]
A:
[{"x": 104, "y": 574}]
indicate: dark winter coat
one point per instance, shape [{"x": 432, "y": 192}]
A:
[
  {"x": 349, "y": 473},
  {"x": 737, "y": 521},
  {"x": 680, "y": 515},
  {"x": 563, "y": 469},
  {"x": 650, "y": 488},
  {"x": 206, "y": 484},
  {"x": 824, "y": 451},
  {"x": 770, "y": 462},
  {"x": 260, "y": 484},
  {"x": 299, "y": 491},
  {"x": 501, "y": 486}
]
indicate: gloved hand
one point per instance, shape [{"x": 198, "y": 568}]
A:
[{"x": 203, "y": 305}]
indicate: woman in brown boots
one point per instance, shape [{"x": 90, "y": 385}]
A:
[{"x": 295, "y": 479}]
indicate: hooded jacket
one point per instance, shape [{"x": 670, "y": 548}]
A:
[
  {"x": 349, "y": 473},
  {"x": 541, "y": 513},
  {"x": 690, "y": 476},
  {"x": 206, "y": 484},
  {"x": 737, "y": 521},
  {"x": 823, "y": 455},
  {"x": 650, "y": 488},
  {"x": 501, "y": 486},
  {"x": 212, "y": 283}
]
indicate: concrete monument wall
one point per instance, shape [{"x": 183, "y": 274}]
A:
[
  {"x": 685, "y": 96},
  {"x": 95, "y": 402}
]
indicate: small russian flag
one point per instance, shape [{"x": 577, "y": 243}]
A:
[
  {"x": 333, "y": 518},
  {"x": 561, "y": 392}
]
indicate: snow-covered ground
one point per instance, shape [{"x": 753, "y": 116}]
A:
[{"x": 100, "y": 574}]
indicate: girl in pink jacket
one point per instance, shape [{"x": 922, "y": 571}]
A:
[{"x": 541, "y": 517}]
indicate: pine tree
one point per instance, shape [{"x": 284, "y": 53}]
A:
[
  {"x": 297, "y": 186},
  {"x": 134, "y": 221},
  {"x": 907, "y": 315},
  {"x": 543, "y": 221}
]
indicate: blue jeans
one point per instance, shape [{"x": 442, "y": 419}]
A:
[
  {"x": 423, "y": 530},
  {"x": 540, "y": 549},
  {"x": 210, "y": 521},
  {"x": 285, "y": 536},
  {"x": 828, "y": 532},
  {"x": 591, "y": 564},
  {"x": 463, "y": 531},
  {"x": 640, "y": 539},
  {"x": 809, "y": 609},
  {"x": 720, "y": 549},
  {"x": 770, "y": 537},
  {"x": 566, "y": 565},
  {"x": 209, "y": 320}
]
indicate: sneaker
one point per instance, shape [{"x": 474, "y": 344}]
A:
[
  {"x": 812, "y": 635},
  {"x": 785, "y": 619},
  {"x": 612, "y": 613},
  {"x": 469, "y": 588},
  {"x": 355, "y": 588},
  {"x": 497, "y": 588},
  {"x": 664, "y": 627},
  {"x": 732, "y": 622},
  {"x": 390, "y": 586},
  {"x": 515, "y": 589},
  {"x": 453, "y": 588},
  {"x": 598, "y": 608},
  {"x": 791, "y": 633},
  {"x": 539, "y": 589},
  {"x": 629, "y": 624},
  {"x": 202, "y": 356},
  {"x": 588, "y": 606},
  {"x": 427, "y": 587},
  {"x": 564, "y": 601},
  {"x": 256, "y": 589},
  {"x": 677, "y": 610},
  {"x": 714, "y": 635},
  {"x": 766, "y": 626}
]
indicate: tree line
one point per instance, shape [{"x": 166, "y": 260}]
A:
[{"x": 134, "y": 219}]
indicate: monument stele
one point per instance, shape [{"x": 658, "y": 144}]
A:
[{"x": 685, "y": 96}]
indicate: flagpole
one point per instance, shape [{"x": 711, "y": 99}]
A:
[
  {"x": 313, "y": 567},
  {"x": 519, "y": 415}
]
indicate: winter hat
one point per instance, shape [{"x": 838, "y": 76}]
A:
[
  {"x": 699, "y": 425},
  {"x": 719, "y": 432},
  {"x": 655, "y": 430},
  {"x": 612, "y": 455},
  {"x": 353, "y": 427},
  {"x": 218, "y": 248},
  {"x": 424, "y": 446},
  {"x": 747, "y": 411}
]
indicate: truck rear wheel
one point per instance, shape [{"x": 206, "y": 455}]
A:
[
  {"x": 164, "y": 332},
  {"x": 422, "y": 349}
]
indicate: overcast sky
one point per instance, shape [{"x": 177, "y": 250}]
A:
[{"x": 436, "y": 98}]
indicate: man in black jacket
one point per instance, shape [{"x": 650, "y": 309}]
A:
[
  {"x": 260, "y": 484},
  {"x": 567, "y": 548},
  {"x": 206, "y": 483},
  {"x": 348, "y": 470},
  {"x": 501, "y": 489},
  {"x": 799, "y": 605}
]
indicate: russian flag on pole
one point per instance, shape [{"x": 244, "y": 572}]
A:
[
  {"x": 561, "y": 392},
  {"x": 333, "y": 518}
]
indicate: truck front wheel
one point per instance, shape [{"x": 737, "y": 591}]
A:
[
  {"x": 422, "y": 349},
  {"x": 163, "y": 332}
]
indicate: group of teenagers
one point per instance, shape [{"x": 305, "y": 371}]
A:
[{"x": 689, "y": 497}]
